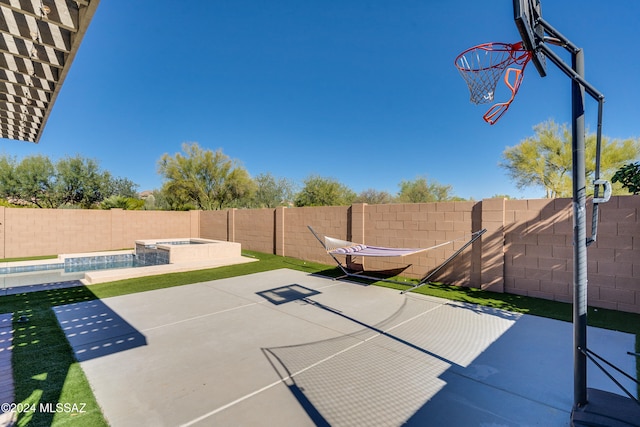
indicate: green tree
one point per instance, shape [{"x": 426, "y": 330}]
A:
[
  {"x": 165, "y": 199},
  {"x": 35, "y": 180},
  {"x": 8, "y": 180},
  {"x": 70, "y": 182},
  {"x": 422, "y": 191},
  {"x": 122, "y": 187},
  {"x": 374, "y": 197},
  {"x": 207, "y": 179},
  {"x": 629, "y": 177},
  {"x": 545, "y": 159},
  {"x": 272, "y": 192},
  {"x": 80, "y": 182},
  {"x": 319, "y": 191}
]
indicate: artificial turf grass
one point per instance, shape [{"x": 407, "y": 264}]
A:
[{"x": 45, "y": 369}]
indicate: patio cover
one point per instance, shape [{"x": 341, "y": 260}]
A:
[{"x": 38, "y": 42}]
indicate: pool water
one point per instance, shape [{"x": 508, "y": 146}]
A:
[{"x": 29, "y": 278}]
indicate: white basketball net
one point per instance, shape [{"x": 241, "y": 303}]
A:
[{"x": 482, "y": 66}]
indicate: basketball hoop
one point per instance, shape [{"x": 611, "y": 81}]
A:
[{"x": 482, "y": 66}]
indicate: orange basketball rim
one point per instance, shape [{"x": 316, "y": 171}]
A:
[{"x": 482, "y": 66}]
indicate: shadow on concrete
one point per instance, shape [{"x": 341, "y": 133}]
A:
[
  {"x": 287, "y": 378},
  {"x": 459, "y": 364},
  {"x": 285, "y": 294},
  {"x": 43, "y": 362},
  {"x": 93, "y": 329}
]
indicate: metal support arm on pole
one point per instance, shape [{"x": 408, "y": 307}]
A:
[
  {"x": 560, "y": 40},
  {"x": 595, "y": 94}
]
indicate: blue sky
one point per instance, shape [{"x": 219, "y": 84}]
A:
[{"x": 361, "y": 91}]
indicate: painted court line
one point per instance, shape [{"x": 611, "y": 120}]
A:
[
  {"x": 200, "y": 317},
  {"x": 177, "y": 322},
  {"x": 215, "y": 312}
]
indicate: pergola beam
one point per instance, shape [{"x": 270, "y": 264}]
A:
[{"x": 38, "y": 42}]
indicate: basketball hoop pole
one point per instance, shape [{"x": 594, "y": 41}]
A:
[
  {"x": 591, "y": 406},
  {"x": 579, "y": 235},
  {"x": 578, "y": 87}
]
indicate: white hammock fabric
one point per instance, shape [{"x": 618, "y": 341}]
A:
[
  {"x": 335, "y": 246},
  {"x": 344, "y": 247}
]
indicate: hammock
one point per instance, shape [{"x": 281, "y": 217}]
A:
[
  {"x": 344, "y": 247},
  {"x": 335, "y": 246}
]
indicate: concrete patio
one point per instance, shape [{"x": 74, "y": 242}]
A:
[{"x": 287, "y": 348}]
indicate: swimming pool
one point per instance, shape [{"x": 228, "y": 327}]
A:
[
  {"x": 63, "y": 272},
  {"x": 151, "y": 257}
]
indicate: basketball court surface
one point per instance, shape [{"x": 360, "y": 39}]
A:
[{"x": 288, "y": 348}]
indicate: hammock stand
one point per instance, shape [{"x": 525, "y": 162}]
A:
[{"x": 342, "y": 247}]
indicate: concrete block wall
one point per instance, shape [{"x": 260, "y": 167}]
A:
[
  {"x": 538, "y": 248},
  {"x": 421, "y": 225},
  {"x": 539, "y": 252},
  {"x": 129, "y": 226},
  {"x": 281, "y": 231},
  {"x": 36, "y": 232},
  {"x": 213, "y": 225},
  {"x": 614, "y": 260},
  {"x": 300, "y": 243},
  {"x": 527, "y": 249},
  {"x": 255, "y": 229},
  {"x": 490, "y": 265}
]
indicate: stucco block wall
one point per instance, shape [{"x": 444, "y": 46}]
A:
[
  {"x": 255, "y": 229},
  {"x": 36, "y": 232},
  {"x": 491, "y": 215},
  {"x": 129, "y": 226},
  {"x": 527, "y": 249},
  {"x": 299, "y": 242},
  {"x": 539, "y": 252},
  {"x": 614, "y": 263},
  {"x": 421, "y": 225},
  {"x": 538, "y": 248},
  {"x": 213, "y": 225}
]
